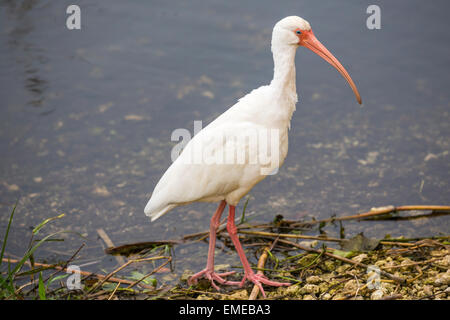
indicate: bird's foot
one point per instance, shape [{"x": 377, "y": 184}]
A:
[
  {"x": 259, "y": 279},
  {"x": 212, "y": 276}
]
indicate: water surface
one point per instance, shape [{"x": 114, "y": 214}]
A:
[{"x": 87, "y": 115}]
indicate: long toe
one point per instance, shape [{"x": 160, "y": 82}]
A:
[
  {"x": 268, "y": 282},
  {"x": 194, "y": 278},
  {"x": 259, "y": 279},
  {"x": 213, "y": 276},
  {"x": 219, "y": 278}
]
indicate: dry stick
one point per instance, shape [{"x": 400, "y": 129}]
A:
[
  {"x": 115, "y": 289},
  {"x": 297, "y": 236},
  {"x": 150, "y": 273},
  {"x": 397, "y": 243},
  {"x": 261, "y": 263},
  {"x": 109, "y": 244},
  {"x": 379, "y": 211},
  {"x": 421, "y": 239},
  {"x": 386, "y": 274},
  {"x": 416, "y": 245},
  {"x": 84, "y": 273},
  {"x": 413, "y": 263},
  {"x": 421, "y": 208},
  {"x": 416, "y": 277},
  {"x": 288, "y": 235}
]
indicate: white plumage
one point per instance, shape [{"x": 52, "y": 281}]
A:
[{"x": 197, "y": 175}]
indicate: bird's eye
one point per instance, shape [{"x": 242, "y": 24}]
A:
[{"x": 298, "y": 32}]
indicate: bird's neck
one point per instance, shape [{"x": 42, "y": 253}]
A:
[{"x": 284, "y": 72}]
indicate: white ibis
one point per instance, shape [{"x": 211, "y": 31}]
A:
[{"x": 200, "y": 172}]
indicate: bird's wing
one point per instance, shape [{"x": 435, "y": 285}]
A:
[{"x": 217, "y": 161}]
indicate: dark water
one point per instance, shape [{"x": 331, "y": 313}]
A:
[{"x": 86, "y": 115}]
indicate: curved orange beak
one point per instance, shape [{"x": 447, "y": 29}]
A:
[{"x": 309, "y": 40}]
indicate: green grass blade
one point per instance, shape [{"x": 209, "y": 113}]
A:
[
  {"x": 27, "y": 255},
  {"x": 41, "y": 288},
  {"x": 7, "y": 232},
  {"x": 243, "y": 211},
  {"x": 43, "y": 223},
  {"x": 33, "y": 271},
  {"x": 53, "y": 279}
]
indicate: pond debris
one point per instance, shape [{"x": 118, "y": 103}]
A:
[
  {"x": 134, "y": 117},
  {"x": 101, "y": 191},
  {"x": 363, "y": 268},
  {"x": 401, "y": 265},
  {"x": 359, "y": 243},
  {"x": 102, "y": 234},
  {"x": 324, "y": 277},
  {"x": 261, "y": 263},
  {"x": 139, "y": 247}
]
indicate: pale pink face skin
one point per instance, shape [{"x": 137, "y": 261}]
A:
[{"x": 306, "y": 38}]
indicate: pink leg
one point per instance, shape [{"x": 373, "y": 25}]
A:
[
  {"x": 208, "y": 272},
  {"x": 249, "y": 273}
]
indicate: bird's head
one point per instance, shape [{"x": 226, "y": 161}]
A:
[{"x": 295, "y": 31}]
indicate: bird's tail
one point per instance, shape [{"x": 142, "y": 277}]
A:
[{"x": 155, "y": 210}]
